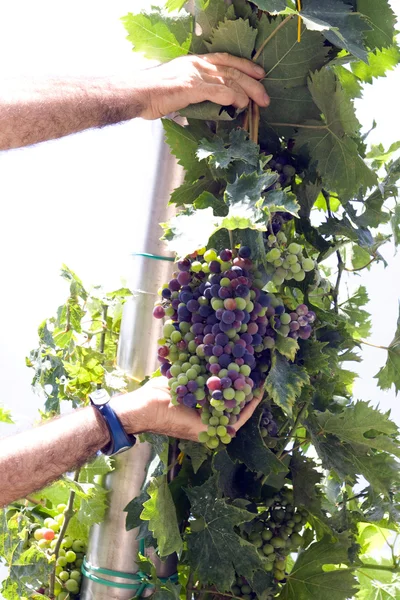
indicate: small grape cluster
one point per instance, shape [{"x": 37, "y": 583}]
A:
[
  {"x": 269, "y": 427},
  {"x": 287, "y": 262},
  {"x": 276, "y": 532},
  {"x": 242, "y": 589},
  {"x": 70, "y": 555}
]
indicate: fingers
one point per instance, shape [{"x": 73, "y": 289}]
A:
[
  {"x": 248, "y": 411},
  {"x": 223, "y": 59},
  {"x": 238, "y": 87}
]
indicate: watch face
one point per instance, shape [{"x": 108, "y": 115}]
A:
[{"x": 99, "y": 397}]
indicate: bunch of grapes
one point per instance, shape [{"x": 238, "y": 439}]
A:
[
  {"x": 276, "y": 532},
  {"x": 242, "y": 589},
  {"x": 217, "y": 322},
  {"x": 70, "y": 556},
  {"x": 287, "y": 262}
]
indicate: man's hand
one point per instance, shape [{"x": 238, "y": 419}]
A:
[
  {"x": 150, "y": 409},
  {"x": 220, "y": 77}
]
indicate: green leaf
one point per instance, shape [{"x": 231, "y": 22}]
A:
[
  {"x": 363, "y": 424},
  {"x": 222, "y": 154},
  {"x": 308, "y": 579},
  {"x": 379, "y": 62},
  {"x": 99, "y": 467},
  {"x": 331, "y": 142},
  {"x": 390, "y": 374},
  {"x": 210, "y": 17},
  {"x": 338, "y": 23},
  {"x": 172, "y": 5},
  {"x": 207, "y": 200},
  {"x": 217, "y": 552},
  {"x": 198, "y": 453},
  {"x": 183, "y": 144},
  {"x": 160, "y": 511},
  {"x": 134, "y": 509},
  {"x": 152, "y": 36},
  {"x": 286, "y": 346},
  {"x": 190, "y": 230},
  {"x": 248, "y": 447},
  {"x": 382, "y": 20},
  {"x": 5, "y": 416},
  {"x": 288, "y": 64},
  {"x": 359, "y": 320},
  {"x": 235, "y": 37},
  {"x": 187, "y": 193},
  {"x": 76, "y": 285},
  {"x": 248, "y": 188},
  {"x": 305, "y": 481},
  {"x": 285, "y": 381}
]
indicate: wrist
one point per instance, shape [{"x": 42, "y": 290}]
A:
[{"x": 131, "y": 411}]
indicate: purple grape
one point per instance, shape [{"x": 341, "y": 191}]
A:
[
  {"x": 184, "y": 278},
  {"x": 294, "y": 326},
  {"x": 215, "y": 368},
  {"x": 249, "y": 360},
  {"x": 190, "y": 400},
  {"x": 257, "y": 339},
  {"x": 226, "y": 255},
  {"x": 209, "y": 338},
  {"x": 238, "y": 351},
  {"x": 227, "y": 349},
  {"x": 279, "y": 310},
  {"x": 239, "y": 315},
  {"x": 294, "y": 335},
  {"x": 205, "y": 310},
  {"x": 207, "y": 293},
  {"x": 224, "y": 293},
  {"x": 230, "y": 430},
  {"x": 207, "y": 329},
  {"x": 305, "y": 332},
  {"x": 221, "y": 339},
  {"x": 230, "y": 403},
  {"x": 216, "y": 329},
  {"x": 184, "y": 265},
  {"x": 225, "y": 326},
  {"x": 233, "y": 375},
  {"x": 192, "y": 385},
  {"x": 247, "y": 338},
  {"x": 228, "y": 316},
  {"x": 246, "y": 317},
  {"x": 302, "y": 309},
  {"x": 166, "y": 293},
  {"x": 244, "y": 252},
  {"x": 216, "y": 278},
  {"x": 181, "y": 390},
  {"x": 217, "y": 350},
  {"x": 311, "y": 316},
  {"x": 185, "y": 297},
  {"x": 183, "y": 313},
  {"x": 239, "y": 383},
  {"x": 302, "y": 321},
  {"x": 212, "y": 319},
  {"x": 215, "y": 266},
  {"x": 175, "y": 303},
  {"x": 215, "y": 290},
  {"x": 197, "y": 318},
  {"x": 174, "y": 285},
  {"x": 197, "y": 328},
  {"x": 217, "y": 395},
  {"x": 164, "y": 368},
  {"x": 224, "y": 360},
  {"x": 226, "y": 382},
  {"x": 242, "y": 291},
  {"x": 208, "y": 350},
  {"x": 192, "y": 305},
  {"x": 198, "y": 340},
  {"x": 158, "y": 312}
]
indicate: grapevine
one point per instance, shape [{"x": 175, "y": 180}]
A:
[{"x": 280, "y": 211}]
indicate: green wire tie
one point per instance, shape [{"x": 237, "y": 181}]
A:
[
  {"x": 153, "y": 256},
  {"x": 140, "y": 578}
]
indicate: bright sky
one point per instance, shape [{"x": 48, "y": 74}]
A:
[{"x": 80, "y": 200}]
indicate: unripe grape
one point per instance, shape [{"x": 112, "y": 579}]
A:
[
  {"x": 203, "y": 437},
  {"x": 294, "y": 248},
  {"x": 307, "y": 264},
  {"x": 72, "y": 586},
  {"x": 64, "y": 576},
  {"x": 75, "y": 575},
  {"x": 300, "y": 276},
  {"x": 38, "y": 534},
  {"x": 212, "y": 443},
  {"x": 63, "y": 596},
  {"x": 268, "y": 549},
  {"x": 61, "y": 561},
  {"x": 79, "y": 546},
  {"x": 70, "y": 556}
]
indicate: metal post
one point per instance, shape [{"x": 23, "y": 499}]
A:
[{"x": 110, "y": 546}]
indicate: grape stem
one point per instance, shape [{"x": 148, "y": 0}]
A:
[
  {"x": 361, "y": 268},
  {"x": 231, "y": 239},
  {"x": 68, "y": 514},
  {"x": 269, "y": 38},
  {"x": 374, "y": 345},
  {"x": 292, "y": 431}
]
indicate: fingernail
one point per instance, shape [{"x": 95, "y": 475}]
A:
[
  {"x": 259, "y": 70},
  {"x": 266, "y": 99}
]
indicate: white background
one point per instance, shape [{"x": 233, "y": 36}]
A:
[{"x": 78, "y": 200}]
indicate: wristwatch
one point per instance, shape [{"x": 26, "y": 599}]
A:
[{"x": 120, "y": 440}]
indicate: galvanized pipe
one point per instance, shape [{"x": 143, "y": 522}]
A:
[{"x": 110, "y": 546}]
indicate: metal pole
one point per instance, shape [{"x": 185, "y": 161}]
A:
[{"x": 110, "y": 546}]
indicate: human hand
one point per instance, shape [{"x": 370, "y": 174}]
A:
[
  {"x": 220, "y": 77},
  {"x": 150, "y": 409}
]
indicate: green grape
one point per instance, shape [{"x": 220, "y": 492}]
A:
[
  {"x": 246, "y": 589},
  {"x": 203, "y": 437},
  {"x": 221, "y": 430},
  {"x": 278, "y": 262},
  {"x": 236, "y": 591},
  {"x": 269, "y": 566},
  {"x": 292, "y": 259},
  {"x": 214, "y": 421},
  {"x": 212, "y": 443},
  {"x": 64, "y": 576},
  {"x": 279, "y": 575},
  {"x": 61, "y": 561},
  {"x": 280, "y": 564},
  {"x": 72, "y": 586},
  {"x": 294, "y": 248},
  {"x": 296, "y": 539},
  {"x": 277, "y": 280},
  {"x": 75, "y": 575},
  {"x": 278, "y": 542},
  {"x": 226, "y": 439},
  {"x": 285, "y": 319},
  {"x": 268, "y": 549},
  {"x": 300, "y": 276},
  {"x": 63, "y": 596},
  {"x": 224, "y": 420},
  {"x": 266, "y": 535},
  {"x": 212, "y": 431},
  {"x": 70, "y": 556},
  {"x": 307, "y": 264}
]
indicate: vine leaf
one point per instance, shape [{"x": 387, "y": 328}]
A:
[
  {"x": 159, "y": 510},
  {"x": 235, "y": 37},
  {"x": 217, "y": 552},
  {"x": 260, "y": 458},
  {"x": 390, "y": 374},
  {"x": 183, "y": 144},
  {"x": 330, "y": 142},
  {"x": 207, "y": 200},
  {"x": 209, "y": 18},
  {"x": 285, "y": 381},
  {"x": 286, "y": 346},
  {"x": 221, "y": 154},
  {"x": 305, "y": 481},
  {"x": 249, "y": 187},
  {"x": 395, "y": 224},
  {"x": 156, "y": 37},
  {"x": 338, "y": 23},
  {"x": 271, "y": 6},
  {"x": 198, "y": 453},
  {"x": 379, "y": 62},
  {"x": 382, "y": 20},
  {"x": 288, "y": 64},
  {"x": 363, "y": 424},
  {"x": 188, "y": 192},
  {"x": 309, "y": 580}
]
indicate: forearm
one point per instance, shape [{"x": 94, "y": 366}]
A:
[
  {"x": 34, "y": 110},
  {"x": 31, "y": 460}
]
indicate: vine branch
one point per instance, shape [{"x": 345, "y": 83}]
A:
[
  {"x": 68, "y": 513},
  {"x": 297, "y": 422},
  {"x": 269, "y": 38}
]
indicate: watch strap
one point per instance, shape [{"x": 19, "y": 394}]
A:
[{"x": 119, "y": 439}]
